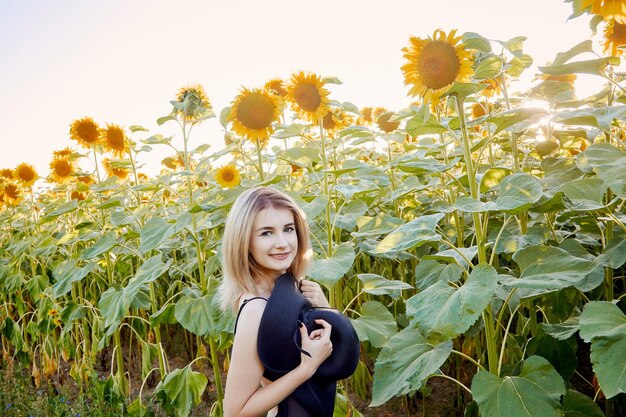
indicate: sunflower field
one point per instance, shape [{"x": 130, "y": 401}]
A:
[{"x": 476, "y": 239}]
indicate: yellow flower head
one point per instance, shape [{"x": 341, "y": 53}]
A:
[
  {"x": 77, "y": 195},
  {"x": 173, "y": 162},
  {"x": 381, "y": 115},
  {"x": 492, "y": 88},
  {"x": 10, "y": 194},
  {"x": 25, "y": 174},
  {"x": 275, "y": 86},
  {"x": 62, "y": 168},
  {"x": 6, "y": 173},
  {"x": 85, "y": 131},
  {"x": 86, "y": 179},
  {"x": 564, "y": 78},
  {"x": 608, "y": 9},
  {"x": 614, "y": 36},
  {"x": 366, "y": 117},
  {"x": 67, "y": 151},
  {"x": 228, "y": 176},
  {"x": 113, "y": 169},
  {"x": 195, "y": 98},
  {"x": 308, "y": 97},
  {"x": 336, "y": 119},
  {"x": 479, "y": 110},
  {"x": 53, "y": 312},
  {"x": 253, "y": 114},
  {"x": 434, "y": 64},
  {"x": 115, "y": 140},
  {"x": 296, "y": 170}
]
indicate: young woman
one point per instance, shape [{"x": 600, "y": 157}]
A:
[{"x": 267, "y": 235}]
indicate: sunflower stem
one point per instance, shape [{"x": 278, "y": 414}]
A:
[
  {"x": 260, "y": 159},
  {"x": 95, "y": 162}
]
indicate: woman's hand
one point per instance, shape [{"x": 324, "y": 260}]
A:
[
  {"x": 317, "y": 344},
  {"x": 312, "y": 291}
]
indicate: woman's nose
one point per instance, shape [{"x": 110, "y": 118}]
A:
[{"x": 280, "y": 242}]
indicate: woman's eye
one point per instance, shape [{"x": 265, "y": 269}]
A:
[
  {"x": 266, "y": 233},
  {"x": 289, "y": 229}
]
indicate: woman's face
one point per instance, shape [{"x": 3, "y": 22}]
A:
[{"x": 274, "y": 241}]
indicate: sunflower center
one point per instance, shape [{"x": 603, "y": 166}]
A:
[
  {"x": 115, "y": 139},
  {"x": 63, "y": 168},
  {"x": 328, "y": 122},
  {"x": 618, "y": 34},
  {"x": 26, "y": 174},
  {"x": 438, "y": 65},
  {"x": 88, "y": 132},
  {"x": 228, "y": 175},
  {"x": 307, "y": 96},
  {"x": 12, "y": 191},
  {"x": 385, "y": 125},
  {"x": 256, "y": 111}
]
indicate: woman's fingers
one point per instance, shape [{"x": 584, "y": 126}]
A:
[{"x": 327, "y": 328}]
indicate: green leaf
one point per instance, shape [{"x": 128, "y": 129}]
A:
[
  {"x": 585, "y": 194},
  {"x": 349, "y": 214},
  {"x": 443, "y": 312},
  {"x": 103, "y": 245},
  {"x": 608, "y": 162},
  {"x": 534, "y": 393},
  {"x": 511, "y": 118},
  {"x": 560, "y": 353},
  {"x": 592, "y": 66},
  {"x": 405, "y": 363},
  {"x": 68, "y": 273},
  {"x": 184, "y": 389},
  {"x": 465, "y": 89},
  {"x": 153, "y": 233},
  {"x": 64, "y": 208},
  {"x": 601, "y": 117},
  {"x": 114, "y": 305},
  {"x": 382, "y": 224},
  {"x": 563, "y": 57},
  {"x": 576, "y": 404},
  {"x": 604, "y": 325},
  {"x": 417, "y": 126},
  {"x": 488, "y": 68},
  {"x": 377, "y": 285},
  {"x": 303, "y": 157},
  {"x": 327, "y": 271},
  {"x": 550, "y": 268},
  {"x": 473, "y": 40},
  {"x": 492, "y": 177},
  {"x": 563, "y": 330},
  {"x": 356, "y": 187},
  {"x": 149, "y": 271},
  {"x": 411, "y": 234},
  {"x": 376, "y": 324},
  {"x": 429, "y": 272},
  {"x": 518, "y": 191},
  {"x": 614, "y": 255},
  {"x": 194, "y": 313}
]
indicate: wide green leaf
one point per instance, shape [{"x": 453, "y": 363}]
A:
[
  {"x": 536, "y": 392},
  {"x": 548, "y": 268},
  {"x": 411, "y": 234},
  {"x": 102, "y": 245},
  {"x": 604, "y": 325},
  {"x": 614, "y": 255},
  {"x": 68, "y": 273},
  {"x": 600, "y": 117},
  {"x": 592, "y": 66},
  {"x": 429, "y": 272},
  {"x": 376, "y": 324},
  {"x": 585, "y": 194},
  {"x": 405, "y": 363},
  {"x": 153, "y": 233},
  {"x": 377, "y": 285},
  {"x": 518, "y": 191},
  {"x": 382, "y": 224},
  {"x": 608, "y": 162},
  {"x": 443, "y": 312},
  {"x": 327, "y": 271},
  {"x": 576, "y": 404},
  {"x": 184, "y": 389},
  {"x": 194, "y": 313}
]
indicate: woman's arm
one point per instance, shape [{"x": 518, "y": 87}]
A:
[{"x": 243, "y": 395}]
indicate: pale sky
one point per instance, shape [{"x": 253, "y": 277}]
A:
[{"x": 121, "y": 61}]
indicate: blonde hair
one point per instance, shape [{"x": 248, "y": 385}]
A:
[{"x": 238, "y": 265}]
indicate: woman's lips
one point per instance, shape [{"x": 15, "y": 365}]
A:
[{"x": 280, "y": 256}]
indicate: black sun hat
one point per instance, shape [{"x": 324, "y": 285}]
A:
[{"x": 279, "y": 347}]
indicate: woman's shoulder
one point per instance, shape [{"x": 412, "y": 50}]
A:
[{"x": 251, "y": 307}]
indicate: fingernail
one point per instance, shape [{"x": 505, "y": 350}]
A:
[{"x": 300, "y": 323}]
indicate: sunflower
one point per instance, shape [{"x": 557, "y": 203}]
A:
[
  {"x": 614, "y": 37},
  {"x": 6, "y": 173},
  {"x": 366, "y": 117},
  {"x": 479, "y": 110},
  {"x": 296, "y": 170},
  {"x": 228, "y": 176},
  {"x": 86, "y": 179},
  {"x": 434, "y": 64},
  {"x": 113, "y": 169},
  {"x": 115, "y": 140},
  {"x": 194, "y": 100},
  {"x": 25, "y": 174},
  {"x": 62, "y": 169},
  {"x": 307, "y": 96},
  {"x": 382, "y": 117},
  {"x": 564, "y": 78},
  {"x": 85, "y": 131},
  {"x": 336, "y": 119},
  {"x": 173, "y": 162},
  {"x": 77, "y": 195},
  {"x": 607, "y": 9},
  {"x": 10, "y": 194},
  {"x": 253, "y": 113},
  {"x": 276, "y": 86},
  {"x": 67, "y": 151},
  {"x": 492, "y": 87}
]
